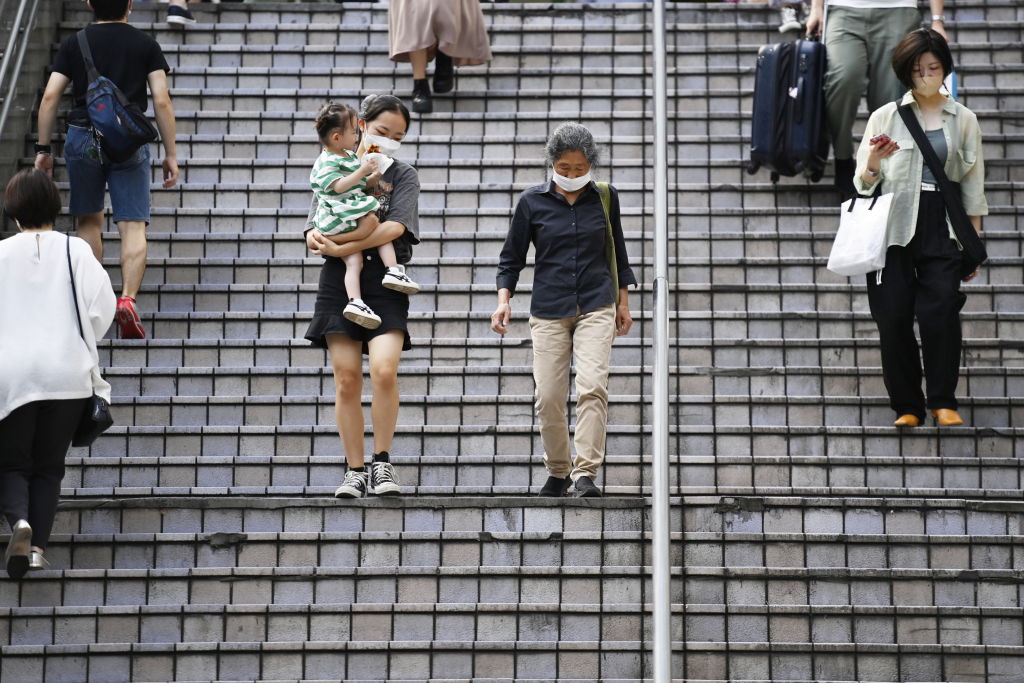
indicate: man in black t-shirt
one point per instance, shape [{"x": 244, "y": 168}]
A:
[{"x": 132, "y": 60}]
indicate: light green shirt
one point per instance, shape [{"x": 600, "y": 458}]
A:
[
  {"x": 901, "y": 172},
  {"x": 338, "y": 213}
]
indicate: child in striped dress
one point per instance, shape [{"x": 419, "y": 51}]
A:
[{"x": 339, "y": 180}]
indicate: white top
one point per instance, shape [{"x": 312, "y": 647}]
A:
[
  {"x": 42, "y": 355},
  {"x": 873, "y": 4}
]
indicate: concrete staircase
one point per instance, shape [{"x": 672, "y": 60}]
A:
[{"x": 199, "y": 539}]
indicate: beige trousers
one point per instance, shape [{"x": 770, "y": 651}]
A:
[{"x": 556, "y": 341}]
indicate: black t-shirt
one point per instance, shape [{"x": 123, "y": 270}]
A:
[{"x": 122, "y": 53}]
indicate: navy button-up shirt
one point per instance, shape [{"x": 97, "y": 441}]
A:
[{"x": 570, "y": 275}]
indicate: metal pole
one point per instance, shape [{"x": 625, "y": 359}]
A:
[
  {"x": 662, "y": 570},
  {"x": 5, "y": 64}
]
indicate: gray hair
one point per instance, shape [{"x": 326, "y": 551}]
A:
[{"x": 571, "y": 137}]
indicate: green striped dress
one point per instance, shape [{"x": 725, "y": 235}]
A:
[{"x": 338, "y": 213}]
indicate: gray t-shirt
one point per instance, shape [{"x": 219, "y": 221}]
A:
[
  {"x": 938, "y": 141},
  {"x": 398, "y": 192}
]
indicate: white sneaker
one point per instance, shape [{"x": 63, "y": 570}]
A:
[
  {"x": 355, "y": 485},
  {"x": 383, "y": 479},
  {"x": 790, "y": 20},
  {"x": 361, "y": 314},
  {"x": 396, "y": 279}
]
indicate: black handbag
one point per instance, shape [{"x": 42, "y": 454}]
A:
[
  {"x": 96, "y": 417},
  {"x": 973, "y": 252}
]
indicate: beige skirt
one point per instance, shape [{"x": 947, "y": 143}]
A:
[{"x": 456, "y": 27}]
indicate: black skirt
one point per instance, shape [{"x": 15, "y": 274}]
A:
[{"x": 391, "y": 306}]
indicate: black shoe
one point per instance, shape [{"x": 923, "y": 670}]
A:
[
  {"x": 16, "y": 557},
  {"x": 844, "y": 177},
  {"x": 585, "y": 488},
  {"x": 421, "y": 101},
  {"x": 444, "y": 73},
  {"x": 555, "y": 487}
]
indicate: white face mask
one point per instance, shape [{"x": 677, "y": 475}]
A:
[
  {"x": 388, "y": 147},
  {"x": 571, "y": 184}
]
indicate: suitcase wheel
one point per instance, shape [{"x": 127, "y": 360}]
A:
[
  {"x": 753, "y": 167},
  {"x": 816, "y": 175},
  {"x": 775, "y": 177}
]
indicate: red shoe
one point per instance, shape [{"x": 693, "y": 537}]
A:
[{"x": 127, "y": 318}]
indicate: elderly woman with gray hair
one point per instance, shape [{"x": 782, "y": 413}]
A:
[{"x": 580, "y": 302}]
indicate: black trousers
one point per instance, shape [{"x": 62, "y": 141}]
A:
[
  {"x": 921, "y": 279},
  {"x": 34, "y": 440}
]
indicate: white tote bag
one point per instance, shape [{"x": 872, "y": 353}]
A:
[{"x": 860, "y": 242}]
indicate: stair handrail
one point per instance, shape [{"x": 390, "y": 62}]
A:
[{"x": 17, "y": 43}]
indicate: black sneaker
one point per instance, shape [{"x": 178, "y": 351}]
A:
[
  {"x": 555, "y": 487},
  {"x": 355, "y": 485},
  {"x": 179, "y": 15},
  {"x": 383, "y": 478},
  {"x": 585, "y": 488}
]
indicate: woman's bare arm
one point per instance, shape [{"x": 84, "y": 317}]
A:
[{"x": 387, "y": 231}]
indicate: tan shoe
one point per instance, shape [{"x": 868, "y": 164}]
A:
[
  {"x": 947, "y": 417},
  {"x": 907, "y": 420}
]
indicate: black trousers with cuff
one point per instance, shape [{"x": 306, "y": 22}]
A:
[
  {"x": 920, "y": 280},
  {"x": 34, "y": 440}
]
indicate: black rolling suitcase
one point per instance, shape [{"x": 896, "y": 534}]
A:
[{"x": 789, "y": 132}]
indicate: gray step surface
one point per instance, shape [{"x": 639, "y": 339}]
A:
[{"x": 801, "y": 551}]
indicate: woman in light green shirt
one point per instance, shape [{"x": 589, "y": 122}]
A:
[{"x": 922, "y": 274}]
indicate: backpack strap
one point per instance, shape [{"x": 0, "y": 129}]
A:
[
  {"x": 90, "y": 66},
  {"x": 609, "y": 242}
]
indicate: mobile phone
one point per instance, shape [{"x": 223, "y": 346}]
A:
[{"x": 881, "y": 139}]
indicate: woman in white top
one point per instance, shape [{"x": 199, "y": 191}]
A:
[{"x": 47, "y": 371}]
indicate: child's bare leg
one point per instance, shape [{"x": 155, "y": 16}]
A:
[
  {"x": 387, "y": 255},
  {"x": 353, "y": 268}
]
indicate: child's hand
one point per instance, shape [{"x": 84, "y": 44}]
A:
[{"x": 369, "y": 166}]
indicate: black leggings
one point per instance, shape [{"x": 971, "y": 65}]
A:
[
  {"x": 34, "y": 439},
  {"x": 920, "y": 280}
]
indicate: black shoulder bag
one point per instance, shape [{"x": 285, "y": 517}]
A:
[
  {"x": 973, "y": 253},
  {"x": 96, "y": 417}
]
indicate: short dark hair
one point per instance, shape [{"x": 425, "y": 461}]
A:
[
  {"x": 375, "y": 105},
  {"x": 333, "y": 116},
  {"x": 109, "y": 10},
  {"x": 32, "y": 199},
  {"x": 908, "y": 53}
]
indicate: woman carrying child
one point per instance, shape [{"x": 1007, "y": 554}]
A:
[
  {"x": 339, "y": 178},
  {"x": 383, "y": 121}
]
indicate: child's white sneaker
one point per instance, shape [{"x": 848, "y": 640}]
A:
[
  {"x": 396, "y": 279},
  {"x": 361, "y": 314}
]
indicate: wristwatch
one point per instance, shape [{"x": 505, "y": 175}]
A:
[
  {"x": 939, "y": 17},
  {"x": 873, "y": 174},
  {"x": 43, "y": 149}
]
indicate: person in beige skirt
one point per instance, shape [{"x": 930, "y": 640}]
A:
[{"x": 451, "y": 30}]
